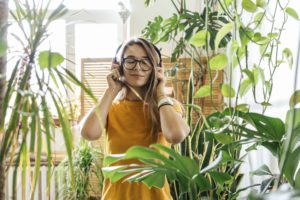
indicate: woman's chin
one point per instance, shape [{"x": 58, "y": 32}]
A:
[{"x": 136, "y": 84}]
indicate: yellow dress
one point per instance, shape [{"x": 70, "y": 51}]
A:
[{"x": 127, "y": 126}]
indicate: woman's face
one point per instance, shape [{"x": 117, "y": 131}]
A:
[{"x": 137, "y": 66}]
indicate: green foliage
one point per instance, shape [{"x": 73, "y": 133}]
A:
[
  {"x": 227, "y": 91},
  {"x": 203, "y": 91},
  {"x": 249, "y": 6},
  {"x": 156, "y": 167},
  {"x": 215, "y": 141},
  {"x": 3, "y": 42},
  {"x": 191, "y": 28},
  {"x": 290, "y": 153},
  {"x": 29, "y": 125},
  {"x": 218, "y": 62},
  {"x": 87, "y": 162},
  {"x": 200, "y": 38},
  {"x": 292, "y": 12},
  {"x": 48, "y": 59}
]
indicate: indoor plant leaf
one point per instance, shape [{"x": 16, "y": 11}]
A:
[
  {"x": 49, "y": 59},
  {"x": 203, "y": 91},
  {"x": 263, "y": 170},
  {"x": 294, "y": 99},
  {"x": 219, "y": 177},
  {"x": 227, "y": 28},
  {"x": 218, "y": 62},
  {"x": 288, "y": 55},
  {"x": 200, "y": 38},
  {"x": 227, "y": 91},
  {"x": 292, "y": 12},
  {"x": 249, "y": 6}
]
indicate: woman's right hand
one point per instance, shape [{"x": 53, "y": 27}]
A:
[{"x": 113, "y": 78}]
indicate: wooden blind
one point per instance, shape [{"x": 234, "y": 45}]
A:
[{"x": 93, "y": 74}]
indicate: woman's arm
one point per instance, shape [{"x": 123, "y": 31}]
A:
[
  {"x": 173, "y": 125},
  {"x": 94, "y": 122}
]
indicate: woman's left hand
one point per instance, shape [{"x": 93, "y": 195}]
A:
[{"x": 160, "y": 89}]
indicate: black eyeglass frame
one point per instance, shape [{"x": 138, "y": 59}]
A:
[{"x": 136, "y": 62}]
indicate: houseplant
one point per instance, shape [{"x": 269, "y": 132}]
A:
[
  {"x": 27, "y": 119},
  {"x": 214, "y": 156},
  {"x": 87, "y": 162}
]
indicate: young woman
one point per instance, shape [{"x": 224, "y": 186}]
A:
[{"x": 142, "y": 114}]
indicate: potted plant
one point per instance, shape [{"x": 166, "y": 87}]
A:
[
  {"x": 27, "y": 120},
  {"x": 209, "y": 166},
  {"x": 87, "y": 162}
]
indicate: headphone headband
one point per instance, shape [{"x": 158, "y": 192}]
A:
[{"x": 147, "y": 42}]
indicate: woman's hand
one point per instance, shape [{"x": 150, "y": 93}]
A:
[
  {"x": 113, "y": 78},
  {"x": 160, "y": 89}
]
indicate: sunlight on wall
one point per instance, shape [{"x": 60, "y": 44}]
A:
[{"x": 95, "y": 40}]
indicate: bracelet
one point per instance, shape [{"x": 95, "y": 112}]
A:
[
  {"x": 166, "y": 104},
  {"x": 164, "y": 101}
]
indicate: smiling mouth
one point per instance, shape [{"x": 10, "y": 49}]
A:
[{"x": 136, "y": 75}]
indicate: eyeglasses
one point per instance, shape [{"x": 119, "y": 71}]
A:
[{"x": 130, "y": 63}]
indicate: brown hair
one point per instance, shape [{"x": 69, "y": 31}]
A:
[{"x": 150, "y": 96}]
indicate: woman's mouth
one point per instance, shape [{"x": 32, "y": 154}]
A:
[{"x": 136, "y": 75}]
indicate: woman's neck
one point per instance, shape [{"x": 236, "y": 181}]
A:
[{"x": 131, "y": 96}]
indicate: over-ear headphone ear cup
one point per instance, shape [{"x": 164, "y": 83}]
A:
[{"x": 121, "y": 70}]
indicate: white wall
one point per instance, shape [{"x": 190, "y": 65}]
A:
[{"x": 140, "y": 15}]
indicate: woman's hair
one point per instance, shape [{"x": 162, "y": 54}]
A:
[{"x": 150, "y": 87}]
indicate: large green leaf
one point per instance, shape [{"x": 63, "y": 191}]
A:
[
  {"x": 110, "y": 159},
  {"x": 249, "y": 6},
  {"x": 48, "y": 59},
  {"x": 245, "y": 87},
  {"x": 263, "y": 170},
  {"x": 202, "y": 183},
  {"x": 227, "y": 91},
  {"x": 223, "y": 138},
  {"x": 294, "y": 99},
  {"x": 288, "y": 55},
  {"x": 140, "y": 152},
  {"x": 291, "y": 165},
  {"x": 203, "y": 91},
  {"x": 292, "y": 12},
  {"x": 200, "y": 38},
  {"x": 258, "y": 18},
  {"x": 185, "y": 164},
  {"x": 265, "y": 127},
  {"x": 290, "y": 155},
  {"x": 155, "y": 179},
  {"x": 115, "y": 173},
  {"x": 250, "y": 75},
  {"x": 219, "y": 177},
  {"x": 261, "y": 3},
  {"x": 218, "y": 62},
  {"x": 227, "y": 28},
  {"x": 270, "y": 127}
]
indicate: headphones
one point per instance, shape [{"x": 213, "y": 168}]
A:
[{"x": 136, "y": 41}]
